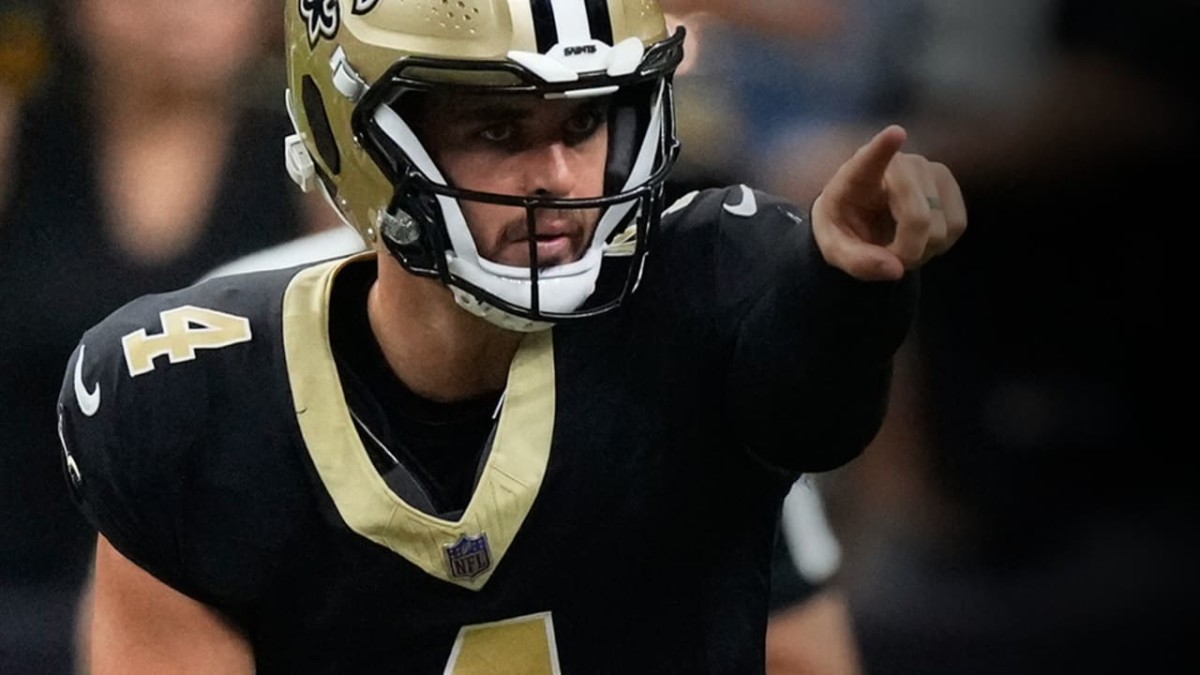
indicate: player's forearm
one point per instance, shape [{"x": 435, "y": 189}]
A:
[
  {"x": 815, "y": 637},
  {"x": 813, "y": 361}
]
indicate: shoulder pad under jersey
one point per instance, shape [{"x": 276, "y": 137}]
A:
[{"x": 146, "y": 396}]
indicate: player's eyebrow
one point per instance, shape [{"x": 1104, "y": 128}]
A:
[
  {"x": 491, "y": 112},
  {"x": 510, "y": 111}
]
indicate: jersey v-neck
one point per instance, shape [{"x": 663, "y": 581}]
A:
[
  {"x": 428, "y": 451},
  {"x": 461, "y": 548}
]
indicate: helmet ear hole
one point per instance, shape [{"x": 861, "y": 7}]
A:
[{"x": 318, "y": 124}]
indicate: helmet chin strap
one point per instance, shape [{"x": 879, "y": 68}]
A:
[{"x": 495, "y": 316}]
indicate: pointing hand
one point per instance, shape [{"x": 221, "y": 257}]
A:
[{"x": 886, "y": 211}]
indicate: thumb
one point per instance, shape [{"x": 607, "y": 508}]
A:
[{"x": 844, "y": 249}]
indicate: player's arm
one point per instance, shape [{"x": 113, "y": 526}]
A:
[
  {"x": 813, "y": 637},
  {"x": 137, "y": 624},
  {"x": 820, "y": 307}
]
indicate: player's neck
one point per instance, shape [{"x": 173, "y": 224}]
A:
[{"x": 438, "y": 349}]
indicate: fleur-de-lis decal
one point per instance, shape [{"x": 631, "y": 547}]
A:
[{"x": 323, "y": 18}]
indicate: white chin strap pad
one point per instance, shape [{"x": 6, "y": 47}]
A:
[
  {"x": 555, "y": 294},
  {"x": 496, "y": 316}
]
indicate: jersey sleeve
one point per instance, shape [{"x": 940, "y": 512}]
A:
[
  {"x": 136, "y": 424},
  {"x": 809, "y": 348},
  {"x": 117, "y": 452}
]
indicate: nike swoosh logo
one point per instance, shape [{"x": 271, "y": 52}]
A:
[
  {"x": 745, "y": 208},
  {"x": 89, "y": 401}
]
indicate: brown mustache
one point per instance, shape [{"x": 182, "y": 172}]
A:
[{"x": 571, "y": 223}]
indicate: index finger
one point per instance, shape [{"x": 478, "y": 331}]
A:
[{"x": 869, "y": 163}]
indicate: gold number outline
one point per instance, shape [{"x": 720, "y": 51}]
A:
[
  {"x": 185, "y": 329},
  {"x": 523, "y": 645}
]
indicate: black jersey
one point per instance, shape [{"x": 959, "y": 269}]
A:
[{"x": 624, "y": 514}]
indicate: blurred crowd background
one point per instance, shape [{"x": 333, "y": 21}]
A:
[{"x": 1027, "y": 506}]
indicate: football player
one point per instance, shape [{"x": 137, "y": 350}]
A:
[{"x": 545, "y": 424}]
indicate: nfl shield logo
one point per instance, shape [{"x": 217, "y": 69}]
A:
[{"x": 469, "y": 557}]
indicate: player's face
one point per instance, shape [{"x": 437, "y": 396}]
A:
[{"x": 524, "y": 146}]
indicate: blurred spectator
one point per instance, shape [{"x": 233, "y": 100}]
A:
[
  {"x": 24, "y": 55},
  {"x": 1051, "y": 529},
  {"x": 136, "y": 165},
  {"x": 8, "y": 115},
  {"x": 794, "y": 86}
]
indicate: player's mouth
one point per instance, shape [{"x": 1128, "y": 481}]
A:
[
  {"x": 556, "y": 242},
  {"x": 553, "y": 249}
]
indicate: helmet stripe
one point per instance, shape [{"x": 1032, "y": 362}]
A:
[
  {"x": 570, "y": 22},
  {"x": 599, "y": 20},
  {"x": 544, "y": 27}
]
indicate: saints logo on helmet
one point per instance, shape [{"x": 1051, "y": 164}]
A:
[
  {"x": 355, "y": 69},
  {"x": 321, "y": 17}
]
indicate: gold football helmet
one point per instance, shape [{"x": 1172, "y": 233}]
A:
[{"x": 352, "y": 62}]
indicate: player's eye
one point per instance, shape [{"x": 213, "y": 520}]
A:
[
  {"x": 584, "y": 123},
  {"x": 498, "y": 133}
]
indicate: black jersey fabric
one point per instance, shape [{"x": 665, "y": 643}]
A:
[{"x": 635, "y": 536}]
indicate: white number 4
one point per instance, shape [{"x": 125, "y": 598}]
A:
[{"x": 184, "y": 330}]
